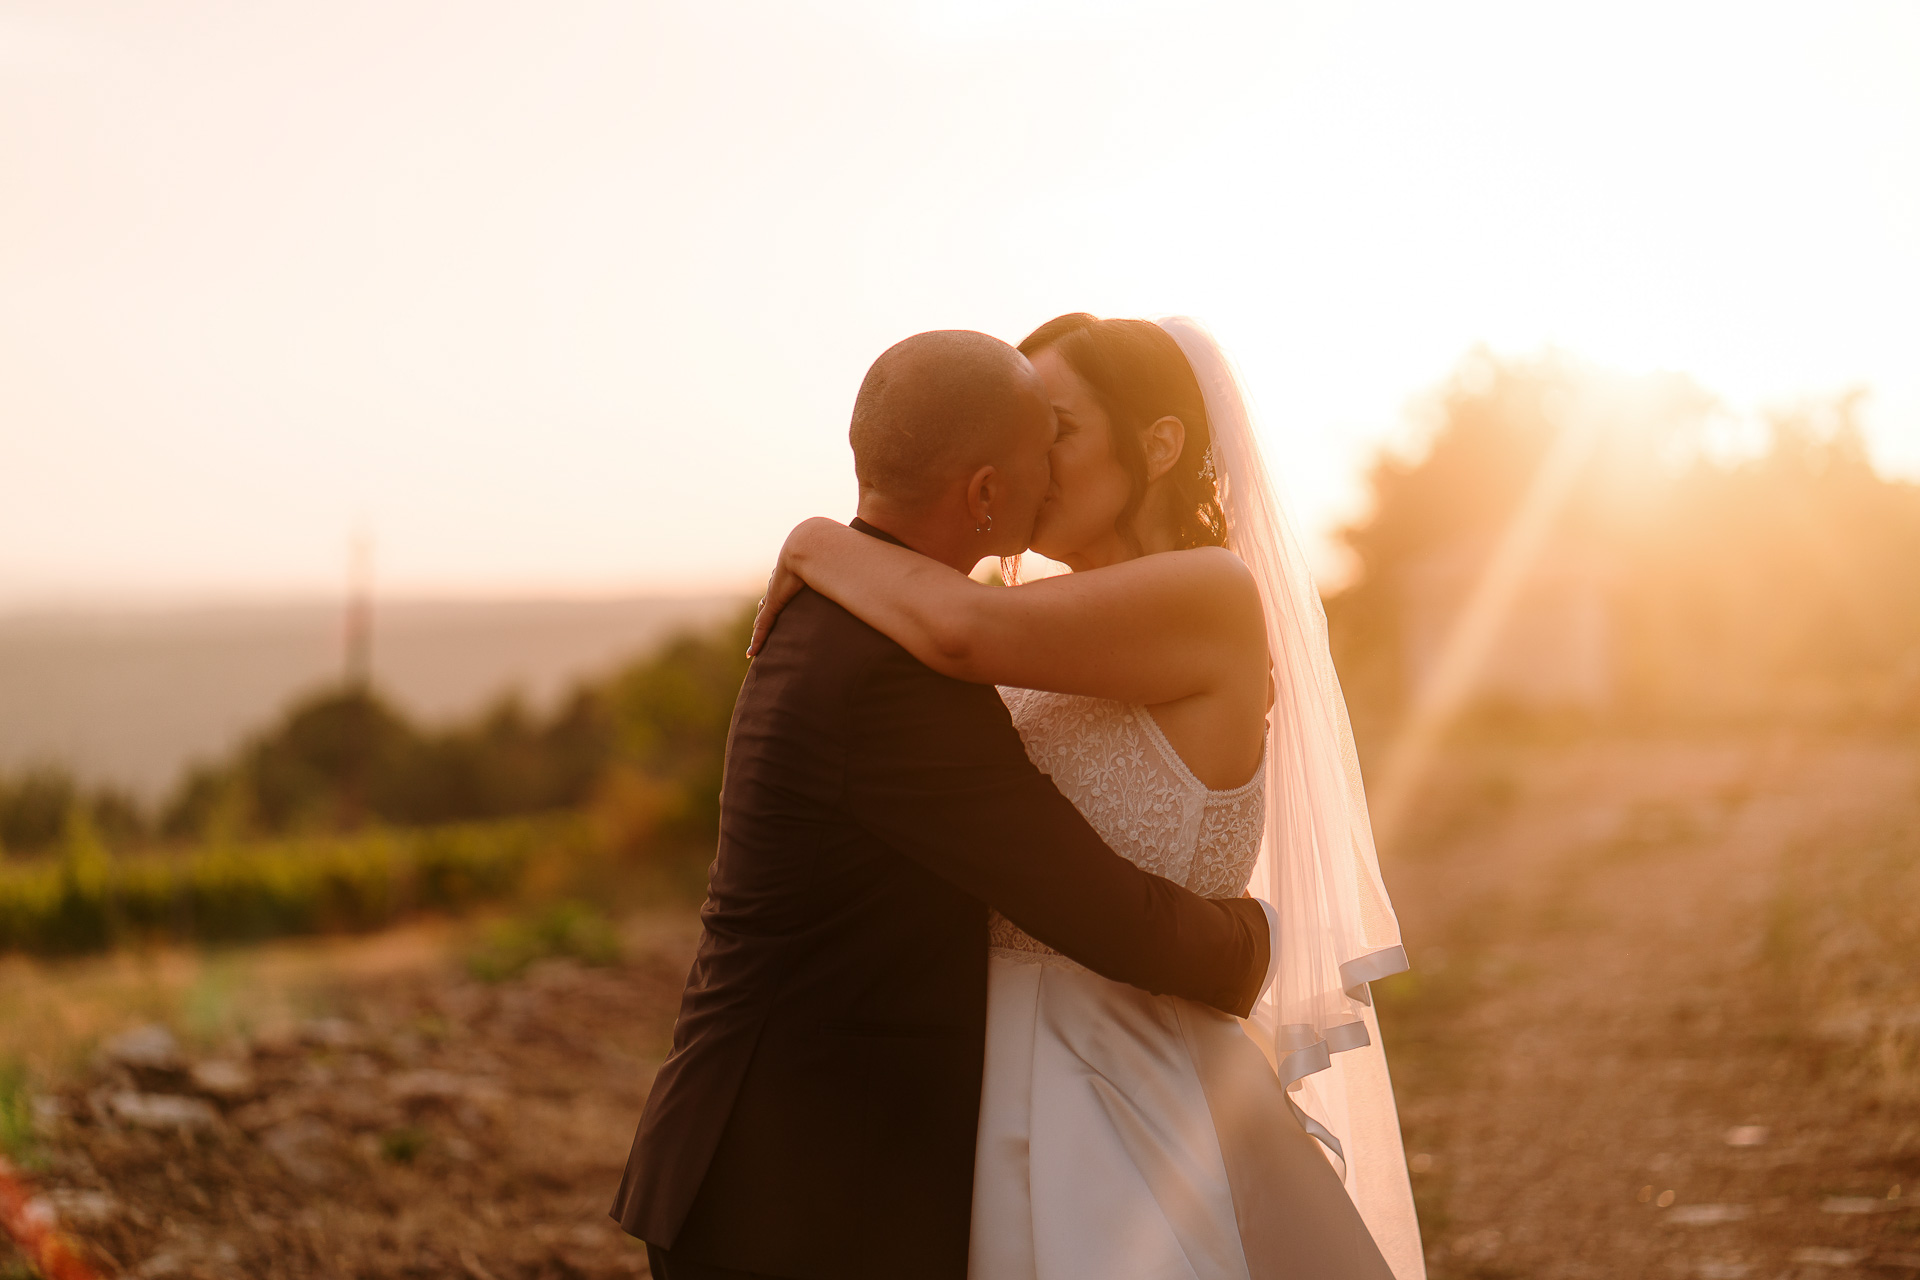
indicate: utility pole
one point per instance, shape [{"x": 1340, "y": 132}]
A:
[
  {"x": 358, "y": 724},
  {"x": 359, "y": 622}
]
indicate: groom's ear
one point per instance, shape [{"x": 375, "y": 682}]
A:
[
  {"x": 983, "y": 487},
  {"x": 1161, "y": 444}
]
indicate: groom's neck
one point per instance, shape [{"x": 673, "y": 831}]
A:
[{"x": 931, "y": 533}]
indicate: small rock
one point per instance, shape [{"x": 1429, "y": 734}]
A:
[
  {"x": 1818, "y": 1257},
  {"x": 410, "y": 1086},
  {"x": 361, "y": 1109},
  {"x": 267, "y": 1112},
  {"x": 1482, "y": 1244},
  {"x": 1707, "y": 1215},
  {"x": 317, "y": 1075},
  {"x": 84, "y": 1208},
  {"x": 49, "y": 1114},
  {"x": 431, "y": 1084},
  {"x": 167, "y": 1262},
  {"x": 302, "y": 1146},
  {"x": 1747, "y": 1135},
  {"x": 473, "y": 1266},
  {"x": 222, "y": 1079},
  {"x": 1858, "y": 1204},
  {"x": 465, "y": 1001},
  {"x": 162, "y": 1111},
  {"x": 406, "y": 1047},
  {"x": 331, "y": 1033},
  {"x": 359, "y": 1066},
  {"x": 188, "y": 1254},
  {"x": 554, "y": 974},
  {"x": 278, "y": 1041},
  {"x": 148, "y": 1048},
  {"x": 31, "y": 1216},
  {"x": 1854, "y": 1024}
]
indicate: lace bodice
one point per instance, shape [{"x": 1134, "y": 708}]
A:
[{"x": 1130, "y": 785}]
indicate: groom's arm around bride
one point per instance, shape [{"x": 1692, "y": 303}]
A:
[{"x": 816, "y": 1114}]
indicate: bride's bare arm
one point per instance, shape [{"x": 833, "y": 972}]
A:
[{"x": 1149, "y": 630}]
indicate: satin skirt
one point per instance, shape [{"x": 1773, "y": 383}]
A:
[{"x": 1129, "y": 1135}]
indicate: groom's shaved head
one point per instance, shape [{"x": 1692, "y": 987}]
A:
[{"x": 936, "y": 406}]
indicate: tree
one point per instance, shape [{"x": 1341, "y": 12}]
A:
[{"x": 1778, "y": 583}]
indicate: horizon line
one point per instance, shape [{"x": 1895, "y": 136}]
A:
[{"x": 158, "y": 603}]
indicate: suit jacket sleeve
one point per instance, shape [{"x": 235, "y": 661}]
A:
[{"x": 936, "y": 770}]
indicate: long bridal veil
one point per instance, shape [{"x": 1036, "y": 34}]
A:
[{"x": 1317, "y": 863}]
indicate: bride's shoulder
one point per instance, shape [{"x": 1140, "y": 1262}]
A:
[
  {"x": 1214, "y": 574},
  {"x": 1218, "y": 560}
]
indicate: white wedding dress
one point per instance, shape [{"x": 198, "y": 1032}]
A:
[{"x": 1124, "y": 1134}]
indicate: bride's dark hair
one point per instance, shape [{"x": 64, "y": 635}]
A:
[{"x": 1139, "y": 375}]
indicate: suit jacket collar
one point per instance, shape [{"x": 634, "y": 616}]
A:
[{"x": 881, "y": 534}]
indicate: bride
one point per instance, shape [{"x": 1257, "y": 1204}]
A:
[{"x": 1178, "y": 689}]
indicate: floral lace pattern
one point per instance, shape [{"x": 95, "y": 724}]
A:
[{"x": 1130, "y": 785}]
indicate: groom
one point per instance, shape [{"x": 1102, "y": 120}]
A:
[{"x": 816, "y": 1115}]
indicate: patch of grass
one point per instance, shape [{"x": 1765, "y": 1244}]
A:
[
  {"x": 403, "y": 1146},
  {"x": 1651, "y": 827},
  {"x": 1839, "y": 944},
  {"x": 572, "y": 930},
  {"x": 208, "y": 1005},
  {"x": 1455, "y": 806},
  {"x": 1420, "y": 1012},
  {"x": 16, "y": 1114},
  {"x": 431, "y": 1027}
]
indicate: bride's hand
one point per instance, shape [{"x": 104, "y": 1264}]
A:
[{"x": 783, "y": 584}]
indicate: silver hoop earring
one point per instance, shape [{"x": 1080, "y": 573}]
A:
[{"x": 988, "y": 529}]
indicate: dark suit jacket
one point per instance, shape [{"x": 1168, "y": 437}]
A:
[{"x": 816, "y": 1115}]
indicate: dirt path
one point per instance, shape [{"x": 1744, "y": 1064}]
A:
[{"x": 1594, "y": 1013}]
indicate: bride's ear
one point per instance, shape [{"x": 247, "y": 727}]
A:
[{"x": 1161, "y": 444}]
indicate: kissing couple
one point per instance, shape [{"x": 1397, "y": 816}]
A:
[{"x": 1037, "y": 941}]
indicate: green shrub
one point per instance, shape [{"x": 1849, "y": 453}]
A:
[
  {"x": 570, "y": 929},
  {"x": 343, "y": 757},
  {"x": 86, "y": 899},
  {"x": 37, "y": 809}
]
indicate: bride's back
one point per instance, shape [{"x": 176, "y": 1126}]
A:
[{"x": 1124, "y": 776}]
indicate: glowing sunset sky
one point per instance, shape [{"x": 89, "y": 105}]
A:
[{"x": 575, "y": 296}]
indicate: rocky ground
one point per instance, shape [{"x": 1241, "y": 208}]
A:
[
  {"x": 1663, "y": 1022},
  {"x": 434, "y": 1125}
]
